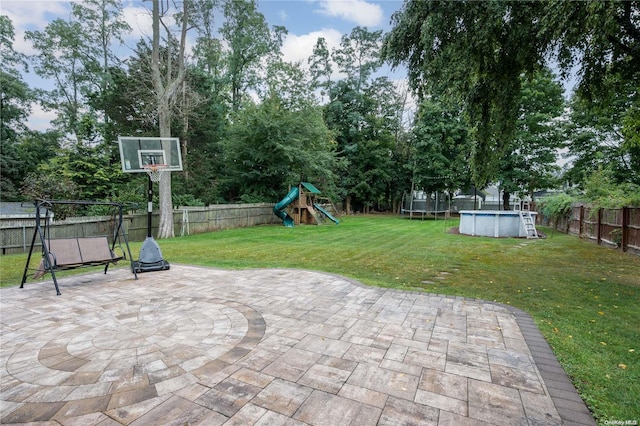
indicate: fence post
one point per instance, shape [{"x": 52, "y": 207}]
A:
[
  {"x": 581, "y": 222},
  {"x": 625, "y": 228},
  {"x": 598, "y": 227}
]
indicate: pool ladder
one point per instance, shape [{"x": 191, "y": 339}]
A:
[{"x": 527, "y": 220}]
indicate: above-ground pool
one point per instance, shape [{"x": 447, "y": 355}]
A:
[{"x": 493, "y": 223}]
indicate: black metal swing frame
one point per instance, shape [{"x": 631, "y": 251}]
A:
[{"x": 102, "y": 256}]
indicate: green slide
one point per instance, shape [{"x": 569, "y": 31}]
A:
[
  {"x": 279, "y": 208},
  {"x": 326, "y": 213}
]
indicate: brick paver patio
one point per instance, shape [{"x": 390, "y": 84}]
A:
[{"x": 270, "y": 347}]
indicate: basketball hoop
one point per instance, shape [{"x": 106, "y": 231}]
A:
[{"x": 155, "y": 171}]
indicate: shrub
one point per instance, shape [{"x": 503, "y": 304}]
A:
[
  {"x": 557, "y": 206},
  {"x": 603, "y": 192}
]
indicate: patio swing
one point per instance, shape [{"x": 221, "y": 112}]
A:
[{"x": 66, "y": 253}]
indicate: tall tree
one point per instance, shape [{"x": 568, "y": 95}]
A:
[
  {"x": 103, "y": 22},
  {"x": 62, "y": 52},
  {"x": 269, "y": 148},
  {"x": 87, "y": 166},
  {"x": 631, "y": 135},
  {"x": 474, "y": 52},
  {"x": 250, "y": 42},
  {"x": 287, "y": 82},
  {"x": 35, "y": 149},
  {"x": 359, "y": 55},
  {"x": 15, "y": 105},
  {"x": 204, "y": 157},
  {"x": 363, "y": 111},
  {"x": 440, "y": 147},
  {"x": 320, "y": 67},
  {"x": 210, "y": 57},
  {"x": 209, "y": 83},
  {"x": 600, "y": 38},
  {"x": 600, "y": 135},
  {"x": 129, "y": 102},
  {"x": 281, "y": 141},
  {"x": 77, "y": 56},
  {"x": 167, "y": 77},
  {"x": 530, "y": 162}
]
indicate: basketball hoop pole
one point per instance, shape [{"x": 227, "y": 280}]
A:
[
  {"x": 154, "y": 171},
  {"x": 150, "y": 254},
  {"x": 149, "y": 206}
]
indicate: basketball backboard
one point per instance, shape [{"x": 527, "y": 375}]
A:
[{"x": 137, "y": 152}]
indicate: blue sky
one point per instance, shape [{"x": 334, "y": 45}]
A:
[{"x": 305, "y": 20}]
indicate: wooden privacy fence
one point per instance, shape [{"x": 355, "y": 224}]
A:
[
  {"x": 607, "y": 227},
  {"x": 16, "y": 232},
  {"x": 198, "y": 220}
]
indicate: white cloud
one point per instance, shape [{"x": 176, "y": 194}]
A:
[
  {"x": 300, "y": 47},
  {"x": 39, "y": 119},
  {"x": 358, "y": 11},
  {"x": 33, "y": 16},
  {"x": 139, "y": 19}
]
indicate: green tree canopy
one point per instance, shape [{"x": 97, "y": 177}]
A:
[
  {"x": 440, "y": 148},
  {"x": 15, "y": 105},
  {"x": 269, "y": 148},
  {"x": 320, "y": 67},
  {"x": 530, "y": 163},
  {"x": 250, "y": 42},
  {"x": 476, "y": 52},
  {"x": 603, "y": 134},
  {"x": 601, "y": 38},
  {"x": 363, "y": 111}
]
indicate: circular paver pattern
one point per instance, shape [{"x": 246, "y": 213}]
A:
[{"x": 123, "y": 347}]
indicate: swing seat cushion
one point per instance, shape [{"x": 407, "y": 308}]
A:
[
  {"x": 70, "y": 253},
  {"x": 95, "y": 249}
]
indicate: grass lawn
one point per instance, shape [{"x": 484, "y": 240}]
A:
[{"x": 584, "y": 298}]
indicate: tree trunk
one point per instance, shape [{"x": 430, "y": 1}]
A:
[
  {"x": 506, "y": 196},
  {"x": 166, "y": 88},
  {"x": 165, "y": 227},
  {"x": 348, "y": 205},
  {"x": 185, "y": 130}
]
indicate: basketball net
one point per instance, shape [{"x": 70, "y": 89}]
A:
[{"x": 155, "y": 171}]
